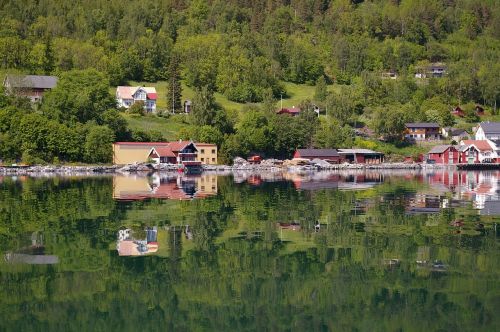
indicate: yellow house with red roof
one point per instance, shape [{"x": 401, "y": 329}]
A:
[{"x": 164, "y": 152}]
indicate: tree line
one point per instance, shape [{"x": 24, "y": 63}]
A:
[{"x": 245, "y": 50}]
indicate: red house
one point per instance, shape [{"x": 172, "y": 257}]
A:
[
  {"x": 330, "y": 155},
  {"x": 444, "y": 154},
  {"x": 293, "y": 111},
  {"x": 469, "y": 154}
]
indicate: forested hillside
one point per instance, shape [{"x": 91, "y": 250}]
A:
[{"x": 246, "y": 50}]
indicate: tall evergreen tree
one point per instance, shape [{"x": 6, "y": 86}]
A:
[
  {"x": 174, "y": 87},
  {"x": 321, "y": 91},
  {"x": 48, "y": 64}
]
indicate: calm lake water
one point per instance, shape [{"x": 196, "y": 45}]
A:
[{"x": 359, "y": 251}]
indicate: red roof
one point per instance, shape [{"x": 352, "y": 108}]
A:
[
  {"x": 482, "y": 145},
  {"x": 178, "y": 145},
  {"x": 292, "y": 110},
  {"x": 164, "y": 151},
  {"x": 152, "y": 96}
]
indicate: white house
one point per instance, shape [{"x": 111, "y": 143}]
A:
[
  {"x": 126, "y": 96},
  {"x": 486, "y": 148},
  {"x": 488, "y": 130}
]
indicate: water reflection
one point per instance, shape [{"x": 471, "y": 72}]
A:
[
  {"x": 31, "y": 254},
  {"x": 163, "y": 186},
  {"x": 397, "y": 251}
]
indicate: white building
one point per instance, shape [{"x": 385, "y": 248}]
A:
[
  {"x": 126, "y": 96},
  {"x": 488, "y": 130}
]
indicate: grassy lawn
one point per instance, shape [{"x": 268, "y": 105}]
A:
[
  {"x": 296, "y": 94},
  {"x": 168, "y": 127}
]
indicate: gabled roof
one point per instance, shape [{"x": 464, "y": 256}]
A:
[
  {"x": 422, "y": 125},
  {"x": 318, "y": 152},
  {"x": 179, "y": 145},
  {"x": 127, "y": 92},
  {"x": 145, "y": 144},
  {"x": 481, "y": 145},
  {"x": 162, "y": 151},
  {"x": 458, "y": 132},
  {"x": 31, "y": 81},
  {"x": 490, "y": 127},
  {"x": 440, "y": 148}
]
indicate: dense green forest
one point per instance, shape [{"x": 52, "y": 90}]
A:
[{"x": 246, "y": 51}]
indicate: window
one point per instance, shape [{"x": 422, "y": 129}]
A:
[
  {"x": 202, "y": 159},
  {"x": 202, "y": 151},
  {"x": 213, "y": 151},
  {"x": 213, "y": 160}
]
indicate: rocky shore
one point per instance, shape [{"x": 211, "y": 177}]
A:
[
  {"x": 55, "y": 169},
  {"x": 269, "y": 165}
]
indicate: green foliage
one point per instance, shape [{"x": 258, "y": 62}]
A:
[
  {"x": 389, "y": 121},
  {"x": 204, "y": 108},
  {"x": 137, "y": 108},
  {"x": 80, "y": 96},
  {"x": 98, "y": 144},
  {"x": 321, "y": 91},
  {"x": 331, "y": 134}
]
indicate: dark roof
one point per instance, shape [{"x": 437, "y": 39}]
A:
[
  {"x": 360, "y": 151},
  {"x": 490, "y": 127},
  {"x": 491, "y": 208},
  {"x": 422, "y": 125},
  {"x": 318, "y": 152},
  {"x": 458, "y": 132},
  {"x": 440, "y": 148},
  {"x": 31, "y": 81}
]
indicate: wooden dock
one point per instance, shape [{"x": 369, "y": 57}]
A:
[{"x": 478, "y": 167}]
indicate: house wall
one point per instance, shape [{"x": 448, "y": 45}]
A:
[
  {"x": 419, "y": 134},
  {"x": 129, "y": 154},
  {"x": 445, "y": 157},
  {"x": 207, "y": 154},
  {"x": 334, "y": 159}
]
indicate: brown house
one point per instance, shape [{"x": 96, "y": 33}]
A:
[
  {"x": 422, "y": 131},
  {"x": 29, "y": 86},
  {"x": 330, "y": 155}
]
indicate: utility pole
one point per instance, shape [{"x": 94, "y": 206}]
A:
[{"x": 281, "y": 98}]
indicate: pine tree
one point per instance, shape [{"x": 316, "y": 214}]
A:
[
  {"x": 174, "y": 87},
  {"x": 48, "y": 60}
]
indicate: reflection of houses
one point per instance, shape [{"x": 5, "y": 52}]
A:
[
  {"x": 30, "y": 86},
  {"x": 424, "y": 204},
  {"x": 177, "y": 187},
  {"x": 33, "y": 254},
  {"x": 344, "y": 181},
  {"x": 128, "y": 245}
]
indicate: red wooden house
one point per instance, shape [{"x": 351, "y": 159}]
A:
[
  {"x": 292, "y": 111},
  {"x": 444, "y": 154},
  {"x": 330, "y": 155}
]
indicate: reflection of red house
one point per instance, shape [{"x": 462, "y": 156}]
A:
[
  {"x": 444, "y": 154},
  {"x": 293, "y": 111}
]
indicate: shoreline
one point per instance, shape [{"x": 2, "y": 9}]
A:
[{"x": 147, "y": 168}]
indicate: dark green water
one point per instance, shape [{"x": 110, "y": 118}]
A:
[{"x": 333, "y": 252}]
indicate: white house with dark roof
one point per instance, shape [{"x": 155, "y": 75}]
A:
[
  {"x": 126, "y": 96},
  {"x": 30, "y": 86},
  {"x": 488, "y": 130}
]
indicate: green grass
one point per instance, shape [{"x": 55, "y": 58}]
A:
[
  {"x": 169, "y": 127},
  {"x": 296, "y": 93}
]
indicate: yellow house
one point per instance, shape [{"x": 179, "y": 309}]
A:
[
  {"x": 133, "y": 152},
  {"x": 138, "y": 152},
  {"x": 207, "y": 153}
]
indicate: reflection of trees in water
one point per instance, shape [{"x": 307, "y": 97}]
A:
[{"x": 333, "y": 279}]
